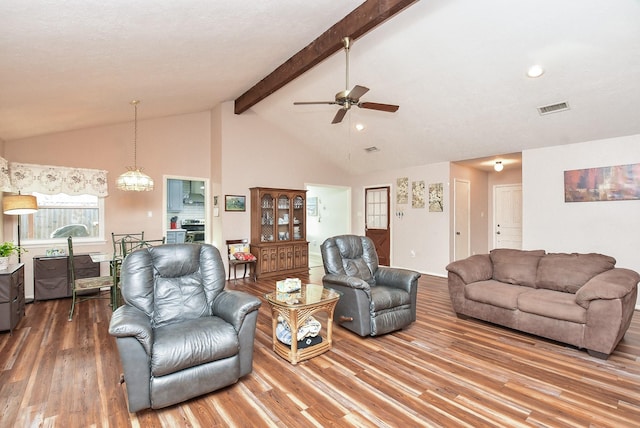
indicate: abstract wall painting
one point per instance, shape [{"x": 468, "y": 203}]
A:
[
  {"x": 402, "y": 194},
  {"x": 609, "y": 183},
  {"x": 435, "y": 197},
  {"x": 417, "y": 192}
]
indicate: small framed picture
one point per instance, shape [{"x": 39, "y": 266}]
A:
[{"x": 235, "y": 203}]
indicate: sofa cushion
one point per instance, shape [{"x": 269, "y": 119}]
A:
[
  {"x": 516, "y": 266},
  {"x": 552, "y": 304},
  {"x": 190, "y": 343},
  {"x": 569, "y": 272},
  {"x": 494, "y": 293}
]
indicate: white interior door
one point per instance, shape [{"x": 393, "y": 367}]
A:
[
  {"x": 508, "y": 216},
  {"x": 462, "y": 241}
]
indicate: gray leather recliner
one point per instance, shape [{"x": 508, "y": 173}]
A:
[
  {"x": 375, "y": 299},
  {"x": 179, "y": 333}
]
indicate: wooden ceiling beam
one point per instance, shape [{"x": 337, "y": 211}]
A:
[{"x": 362, "y": 19}]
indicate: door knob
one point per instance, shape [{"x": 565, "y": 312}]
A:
[
  {"x": 457, "y": 233},
  {"x": 498, "y": 233}
]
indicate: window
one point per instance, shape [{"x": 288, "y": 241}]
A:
[{"x": 60, "y": 216}]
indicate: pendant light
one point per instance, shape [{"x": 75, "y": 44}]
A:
[{"x": 134, "y": 179}]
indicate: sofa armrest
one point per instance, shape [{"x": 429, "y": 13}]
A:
[
  {"x": 128, "y": 321},
  {"x": 472, "y": 269},
  {"x": 396, "y": 277},
  {"x": 233, "y": 306},
  {"x": 333, "y": 279},
  {"x": 611, "y": 284}
]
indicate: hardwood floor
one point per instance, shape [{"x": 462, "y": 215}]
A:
[{"x": 441, "y": 371}]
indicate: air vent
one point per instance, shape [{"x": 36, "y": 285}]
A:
[
  {"x": 372, "y": 149},
  {"x": 553, "y": 108}
]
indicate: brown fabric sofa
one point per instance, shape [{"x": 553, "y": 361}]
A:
[{"x": 579, "y": 299}]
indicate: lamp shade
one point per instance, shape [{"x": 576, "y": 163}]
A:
[
  {"x": 135, "y": 180},
  {"x": 19, "y": 204}
]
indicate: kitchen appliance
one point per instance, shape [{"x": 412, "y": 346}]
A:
[{"x": 195, "y": 229}]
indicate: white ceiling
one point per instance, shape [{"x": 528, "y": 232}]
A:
[{"x": 456, "y": 68}]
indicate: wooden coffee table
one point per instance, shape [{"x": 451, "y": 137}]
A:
[{"x": 295, "y": 308}]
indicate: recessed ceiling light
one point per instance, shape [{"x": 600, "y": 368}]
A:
[
  {"x": 535, "y": 71},
  {"x": 359, "y": 126}
]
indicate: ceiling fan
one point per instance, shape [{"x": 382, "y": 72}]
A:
[{"x": 347, "y": 98}]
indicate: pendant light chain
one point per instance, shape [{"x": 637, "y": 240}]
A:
[
  {"x": 135, "y": 133},
  {"x": 134, "y": 179}
]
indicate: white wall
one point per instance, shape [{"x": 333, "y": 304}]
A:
[
  {"x": 418, "y": 230},
  {"x": 611, "y": 228},
  {"x": 256, "y": 154}
]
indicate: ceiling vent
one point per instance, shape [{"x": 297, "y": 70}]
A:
[
  {"x": 553, "y": 108},
  {"x": 371, "y": 149}
]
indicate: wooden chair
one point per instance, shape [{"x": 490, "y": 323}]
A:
[
  {"x": 84, "y": 284},
  {"x": 239, "y": 254}
]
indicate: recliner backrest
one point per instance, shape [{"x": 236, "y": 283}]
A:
[
  {"x": 173, "y": 283},
  {"x": 350, "y": 255}
]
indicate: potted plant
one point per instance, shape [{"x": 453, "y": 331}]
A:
[{"x": 6, "y": 250}]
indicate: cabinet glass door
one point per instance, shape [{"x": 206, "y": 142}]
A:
[
  {"x": 298, "y": 218},
  {"x": 283, "y": 218},
  {"x": 267, "y": 221}
]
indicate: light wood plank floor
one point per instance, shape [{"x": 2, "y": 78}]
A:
[{"x": 441, "y": 371}]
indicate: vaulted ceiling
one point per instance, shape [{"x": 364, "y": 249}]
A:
[{"x": 457, "y": 68}]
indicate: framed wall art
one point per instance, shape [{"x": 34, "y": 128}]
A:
[
  {"x": 609, "y": 183},
  {"x": 235, "y": 203},
  {"x": 312, "y": 206},
  {"x": 435, "y": 197}
]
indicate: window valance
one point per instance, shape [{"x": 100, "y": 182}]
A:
[{"x": 50, "y": 180}]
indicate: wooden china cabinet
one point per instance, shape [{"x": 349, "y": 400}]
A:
[{"x": 278, "y": 231}]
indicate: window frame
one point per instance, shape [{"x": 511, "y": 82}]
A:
[{"x": 26, "y": 242}]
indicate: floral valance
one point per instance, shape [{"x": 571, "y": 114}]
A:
[{"x": 50, "y": 180}]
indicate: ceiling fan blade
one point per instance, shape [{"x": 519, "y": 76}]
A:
[
  {"x": 339, "y": 115},
  {"x": 299, "y": 103},
  {"x": 357, "y": 92},
  {"x": 377, "y": 106}
]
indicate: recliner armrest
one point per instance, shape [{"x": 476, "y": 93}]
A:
[
  {"x": 128, "y": 321},
  {"x": 396, "y": 277},
  {"x": 346, "y": 281},
  {"x": 233, "y": 306},
  {"x": 611, "y": 284}
]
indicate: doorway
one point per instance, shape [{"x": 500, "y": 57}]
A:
[
  {"x": 328, "y": 214},
  {"x": 376, "y": 214},
  {"x": 507, "y": 230},
  {"x": 186, "y": 207},
  {"x": 461, "y": 221}
]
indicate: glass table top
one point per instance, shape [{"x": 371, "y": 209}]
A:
[{"x": 308, "y": 294}]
